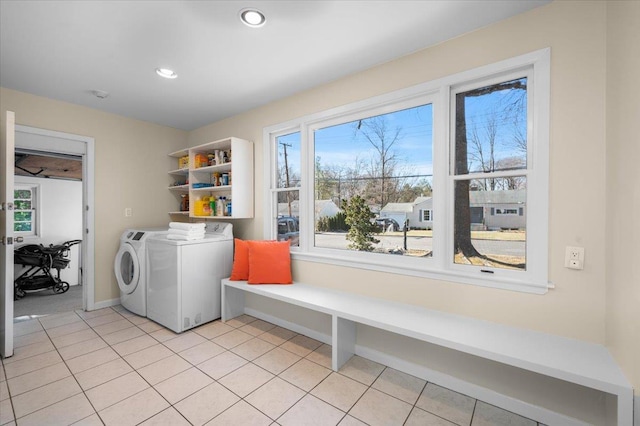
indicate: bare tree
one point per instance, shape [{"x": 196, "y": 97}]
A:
[
  {"x": 378, "y": 132},
  {"x": 484, "y": 159},
  {"x": 513, "y": 182}
]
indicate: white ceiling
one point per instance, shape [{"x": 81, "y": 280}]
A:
[{"x": 65, "y": 49}]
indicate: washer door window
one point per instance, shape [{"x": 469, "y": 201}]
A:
[{"x": 127, "y": 269}]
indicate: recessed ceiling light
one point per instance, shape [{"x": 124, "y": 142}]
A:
[
  {"x": 252, "y": 17},
  {"x": 166, "y": 73}
]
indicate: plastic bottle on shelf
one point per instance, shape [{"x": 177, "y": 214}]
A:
[
  {"x": 198, "y": 207},
  {"x": 224, "y": 206},
  {"x": 212, "y": 205},
  {"x": 206, "y": 208},
  {"x": 220, "y": 207},
  {"x": 228, "y": 207}
]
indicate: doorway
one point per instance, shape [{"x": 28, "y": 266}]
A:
[
  {"x": 48, "y": 213},
  {"x": 60, "y": 145}
]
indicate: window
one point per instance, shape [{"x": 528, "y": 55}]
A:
[
  {"x": 25, "y": 214},
  {"x": 359, "y": 182},
  {"x": 507, "y": 211},
  {"x": 368, "y": 174},
  {"x": 489, "y": 152},
  {"x": 287, "y": 190}
]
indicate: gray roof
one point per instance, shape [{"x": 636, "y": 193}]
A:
[
  {"x": 398, "y": 207},
  {"x": 421, "y": 200},
  {"x": 283, "y": 208}
]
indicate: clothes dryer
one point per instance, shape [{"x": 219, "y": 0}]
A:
[
  {"x": 131, "y": 269},
  {"x": 184, "y": 277}
]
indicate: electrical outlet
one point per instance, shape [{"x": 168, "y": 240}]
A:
[
  {"x": 128, "y": 212},
  {"x": 574, "y": 257}
]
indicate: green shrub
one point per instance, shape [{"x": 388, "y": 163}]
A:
[{"x": 359, "y": 218}]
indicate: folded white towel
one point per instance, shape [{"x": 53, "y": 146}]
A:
[
  {"x": 186, "y": 226},
  {"x": 184, "y": 237},
  {"x": 184, "y": 232}
]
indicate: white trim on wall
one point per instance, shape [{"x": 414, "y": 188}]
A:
[{"x": 36, "y": 139}]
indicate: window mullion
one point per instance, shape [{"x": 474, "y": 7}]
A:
[
  {"x": 306, "y": 192},
  {"x": 492, "y": 175},
  {"x": 441, "y": 221}
]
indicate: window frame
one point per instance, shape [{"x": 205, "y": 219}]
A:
[
  {"x": 439, "y": 93},
  {"x": 505, "y": 211},
  {"x": 35, "y": 209}
]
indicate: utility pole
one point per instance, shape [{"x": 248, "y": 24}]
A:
[{"x": 286, "y": 172}]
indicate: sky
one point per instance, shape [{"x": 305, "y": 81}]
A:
[{"x": 340, "y": 145}]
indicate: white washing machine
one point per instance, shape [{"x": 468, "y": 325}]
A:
[
  {"x": 183, "y": 281},
  {"x": 131, "y": 270}
]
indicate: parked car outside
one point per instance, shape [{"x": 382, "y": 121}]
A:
[
  {"x": 386, "y": 223},
  {"x": 289, "y": 230}
]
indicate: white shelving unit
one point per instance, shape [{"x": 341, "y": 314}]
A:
[
  {"x": 240, "y": 169},
  {"x": 177, "y": 176}
]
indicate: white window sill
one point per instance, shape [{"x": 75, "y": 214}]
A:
[{"x": 426, "y": 272}]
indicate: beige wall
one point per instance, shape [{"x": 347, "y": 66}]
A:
[
  {"x": 623, "y": 187},
  {"x": 131, "y": 166},
  {"x": 575, "y": 31},
  {"x": 588, "y": 40}
]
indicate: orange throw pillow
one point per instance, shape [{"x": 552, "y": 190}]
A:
[
  {"x": 269, "y": 262},
  {"x": 240, "y": 270}
]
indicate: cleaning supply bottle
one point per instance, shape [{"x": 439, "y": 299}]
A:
[
  {"x": 224, "y": 206},
  {"x": 219, "y": 207},
  {"x": 212, "y": 205},
  {"x": 228, "y": 207},
  {"x": 198, "y": 207}
]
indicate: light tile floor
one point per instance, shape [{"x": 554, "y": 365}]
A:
[{"x": 115, "y": 368}]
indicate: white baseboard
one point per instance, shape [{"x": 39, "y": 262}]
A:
[
  {"x": 478, "y": 392},
  {"x": 106, "y": 304}
]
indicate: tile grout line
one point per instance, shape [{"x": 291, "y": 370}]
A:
[
  {"x": 248, "y": 362},
  {"x": 72, "y": 373},
  {"x": 63, "y": 361},
  {"x": 370, "y": 386},
  {"x": 176, "y": 353},
  {"x": 292, "y": 384},
  {"x": 150, "y": 386},
  {"x": 414, "y": 406},
  {"x": 74, "y": 376},
  {"x": 125, "y": 361},
  {"x": 13, "y": 410}
]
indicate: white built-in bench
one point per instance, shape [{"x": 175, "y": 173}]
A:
[{"x": 587, "y": 364}]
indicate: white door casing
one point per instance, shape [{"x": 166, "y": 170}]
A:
[
  {"x": 6, "y": 230},
  {"x": 33, "y": 138}
]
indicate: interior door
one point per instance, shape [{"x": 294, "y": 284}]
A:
[{"x": 6, "y": 230}]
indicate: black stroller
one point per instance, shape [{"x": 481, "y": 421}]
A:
[{"x": 40, "y": 260}]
